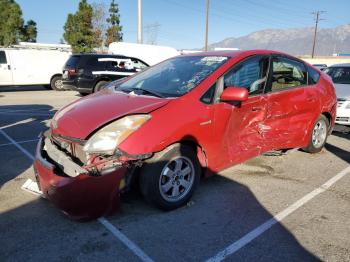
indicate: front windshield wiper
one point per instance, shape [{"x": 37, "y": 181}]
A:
[{"x": 151, "y": 92}]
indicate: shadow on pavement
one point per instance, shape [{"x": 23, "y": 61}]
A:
[{"x": 23, "y": 88}]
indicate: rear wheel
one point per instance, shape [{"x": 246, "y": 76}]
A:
[
  {"x": 319, "y": 135},
  {"x": 169, "y": 179},
  {"x": 56, "y": 83},
  {"x": 100, "y": 85}
]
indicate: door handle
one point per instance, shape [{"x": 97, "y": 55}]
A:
[
  {"x": 8, "y": 67},
  {"x": 256, "y": 108}
]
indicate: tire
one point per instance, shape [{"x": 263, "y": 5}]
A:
[
  {"x": 169, "y": 179},
  {"x": 56, "y": 83},
  {"x": 83, "y": 94},
  {"x": 319, "y": 134},
  {"x": 99, "y": 86}
]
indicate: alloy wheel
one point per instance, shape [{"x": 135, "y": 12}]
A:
[
  {"x": 319, "y": 133},
  {"x": 176, "y": 179}
]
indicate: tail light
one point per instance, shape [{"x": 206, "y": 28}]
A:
[{"x": 72, "y": 71}]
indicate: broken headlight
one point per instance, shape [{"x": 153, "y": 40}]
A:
[{"x": 106, "y": 140}]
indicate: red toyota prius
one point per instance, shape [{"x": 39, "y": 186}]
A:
[{"x": 187, "y": 117}]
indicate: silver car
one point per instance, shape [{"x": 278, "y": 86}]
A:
[{"x": 340, "y": 74}]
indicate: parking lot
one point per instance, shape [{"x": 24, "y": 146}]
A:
[{"x": 293, "y": 206}]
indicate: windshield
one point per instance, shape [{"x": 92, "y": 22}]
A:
[
  {"x": 339, "y": 75},
  {"x": 174, "y": 77}
]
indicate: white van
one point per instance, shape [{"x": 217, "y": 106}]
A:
[
  {"x": 151, "y": 54},
  {"x": 33, "y": 64}
]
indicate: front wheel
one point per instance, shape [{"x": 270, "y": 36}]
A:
[
  {"x": 319, "y": 135},
  {"x": 169, "y": 179}
]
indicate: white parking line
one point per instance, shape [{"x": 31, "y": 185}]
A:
[
  {"x": 25, "y": 121},
  {"x": 19, "y": 142},
  {"x": 26, "y": 114},
  {"x": 24, "y": 151},
  {"x": 119, "y": 235},
  {"x": 237, "y": 245},
  {"x": 135, "y": 249}
]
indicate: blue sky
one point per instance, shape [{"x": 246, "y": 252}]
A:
[{"x": 182, "y": 23}]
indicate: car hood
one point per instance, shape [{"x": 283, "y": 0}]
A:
[
  {"x": 82, "y": 117},
  {"x": 342, "y": 90}
]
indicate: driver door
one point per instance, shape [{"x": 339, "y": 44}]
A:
[{"x": 243, "y": 135}]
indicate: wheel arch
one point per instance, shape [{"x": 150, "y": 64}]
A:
[
  {"x": 328, "y": 116},
  {"x": 201, "y": 154},
  {"x": 330, "y": 119},
  {"x": 60, "y": 75}
]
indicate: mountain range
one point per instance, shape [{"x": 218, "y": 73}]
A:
[{"x": 296, "y": 41}]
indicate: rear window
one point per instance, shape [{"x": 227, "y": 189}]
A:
[
  {"x": 314, "y": 76},
  {"x": 3, "y": 57},
  {"x": 72, "y": 61}
]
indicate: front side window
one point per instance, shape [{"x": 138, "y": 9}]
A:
[
  {"x": 3, "y": 57},
  {"x": 339, "y": 75},
  {"x": 174, "y": 77},
  {"x": 287, "y": 73},
  {"x": 250, "y": 74}
]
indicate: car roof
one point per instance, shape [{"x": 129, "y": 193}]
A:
[
  {"x": 87, "y": 55},
  {"x": 230, "y": 53},
  {"x": 341, "y": 65}
]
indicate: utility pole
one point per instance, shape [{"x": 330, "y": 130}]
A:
[
  {"x": 139, "y": 21},
  {"x": 317, "y": 19},
  {"x": 206, "y": 27}
]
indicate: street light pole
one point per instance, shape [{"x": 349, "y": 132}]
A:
[
  {"x": 206, "y": 27},
  {"x": 139, "y": 21}
]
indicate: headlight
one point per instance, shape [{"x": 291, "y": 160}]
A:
[{"x": 106, "y": 140}]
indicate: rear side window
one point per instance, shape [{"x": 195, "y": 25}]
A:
[
  {"x": 94, "y": 63},
  {"x": 72, "y": 61},
  {"x": 314, "y": 76},
  {"x": 287, "y": 73},
  {"x": 3, "y": 57}
]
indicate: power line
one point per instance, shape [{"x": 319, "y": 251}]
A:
[
  {"x": 317, "y": 19},
  {"x": 151, "y": 33}
]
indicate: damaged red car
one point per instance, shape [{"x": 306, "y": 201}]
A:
[{"x": 187, "y": 117}]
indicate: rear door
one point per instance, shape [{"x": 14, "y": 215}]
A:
[
  {"x": 292, "y": 104},
  {"x": 5, "y": 69}
]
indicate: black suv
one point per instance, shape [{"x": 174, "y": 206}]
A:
[{"x": 88, "y": 73}]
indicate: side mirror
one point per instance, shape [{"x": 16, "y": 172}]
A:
[{"x": 233, "y": 93}]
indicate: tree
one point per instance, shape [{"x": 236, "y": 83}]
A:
[
  {"x": 29, "y": 32},
  {"x": 11, "y": 24},
  {"x": 78, "y": 30},
  {"x": 114, "y": 31},
  {"x": 99, "y": 23}
]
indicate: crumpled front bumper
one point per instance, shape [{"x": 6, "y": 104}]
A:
[{"x": 81, "y": 197}]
